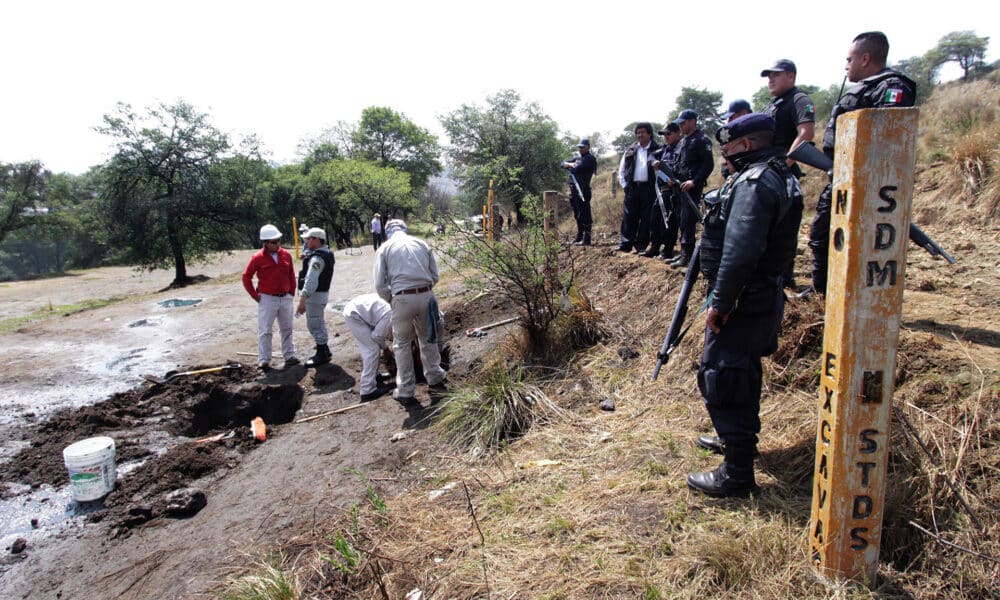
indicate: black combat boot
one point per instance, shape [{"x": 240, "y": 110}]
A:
[
  {"x": 321, "y": 357},
  {"x": 709, "y": 442},
  {"x": 681, "y": 260},
  {"x": 733, "y": 479}
]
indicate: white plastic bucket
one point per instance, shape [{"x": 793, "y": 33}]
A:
[{"x": 91, "y": 465}]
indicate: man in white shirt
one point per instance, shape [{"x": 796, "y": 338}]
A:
[
  {"x": 405, "y": 271},
  {"x": 637, "y": 179},
  {"x": 377, "y": 237}
]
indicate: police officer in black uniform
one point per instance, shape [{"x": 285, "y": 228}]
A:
[
  {"x": 794, "y": 119},
  {"x": 792, "y": 109},
  {"x": 637, "y": 179},
  {"x": 582, "y": 169},
  {"x": 876, "y": 87},
  {"x": 664, "y": 220},
  {"x": 695, "y": 164},
  {"x": 749, "y": 240}
]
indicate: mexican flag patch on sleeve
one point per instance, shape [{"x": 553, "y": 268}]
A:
[{"x": 893, "y": 96}]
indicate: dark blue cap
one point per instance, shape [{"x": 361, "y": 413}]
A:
[
  {"x": 782, "y": 64},
  {"x": 671, "y": 126},
  {"x": 583, "y": 143},
  {"x": 737, "y": 106},
  {"x": 744, "y": 125},
  {"x": 686, "y": 114}
]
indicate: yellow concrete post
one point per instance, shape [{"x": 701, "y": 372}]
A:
[
  {"x": 295, "y": 237},
  {"x": 872, "y": 193}
]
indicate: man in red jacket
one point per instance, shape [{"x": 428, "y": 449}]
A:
[{"x": 274, "y": 295}]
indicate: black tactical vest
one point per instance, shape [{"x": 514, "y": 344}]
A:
[
  {"x": 782, "y": 238},
  {"x": 326, "y": 276}
]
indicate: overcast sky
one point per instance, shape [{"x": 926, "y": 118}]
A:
[{"x": 286, "y": 70}]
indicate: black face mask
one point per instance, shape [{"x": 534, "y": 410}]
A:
[{"x": 740, "y": 159}]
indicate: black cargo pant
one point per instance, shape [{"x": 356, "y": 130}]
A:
[
  {"x": 730, "y": 374},
  {"x": 581, "y": 210},
  {"x": 639, "y": 198},
  {"x": 689, "y": 220},
  {"x": 819, "y": 238}
]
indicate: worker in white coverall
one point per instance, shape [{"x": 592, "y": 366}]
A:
[
  {"x": 405, "y": 272},
  {"x": 370, "y": 319}
]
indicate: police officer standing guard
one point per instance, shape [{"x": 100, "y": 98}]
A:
[
  {"x": 314, "y": 286},
  {"x": 877, "y": 87},
  {"x": 758, "y": 221},
  {"x": 794, "y": 120},
  {"x": 663, "y": 229},
  {"x": 582, "y": 170},
  {"x": 695, "y": 164}
]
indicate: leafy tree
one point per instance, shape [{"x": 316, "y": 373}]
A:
[
  {"x": 333, "y": 142},
  {"x": 75, "y": 227},
  {"x": 963, "y": 47},
  {"x": 706, "y": 103},
  {"x": 627, "y": 136},
  {"x": 247, "y": 182},
  {"x": 923, "y": 70},
  {"x": 319, "y": 154},
  {"x": 342, "y": 195},
  {"x": 158, "y": 188},
  {"x": 389, "y": 139},
  {"x": 23, "y": 189},
  {"x": 761, "y": 99},
  {"x": 513, "y": 143}
]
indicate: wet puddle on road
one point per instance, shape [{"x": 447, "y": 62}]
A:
[{"x": 179, "y": 302}]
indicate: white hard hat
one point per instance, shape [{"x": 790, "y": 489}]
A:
[
  {"x": 315, "y": 232},
  {"x": 269, "y": 232}
]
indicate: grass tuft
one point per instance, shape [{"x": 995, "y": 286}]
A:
[{"x": 488, "y": 415}]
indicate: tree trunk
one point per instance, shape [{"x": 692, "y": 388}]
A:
[{"x": 174, "y": 239}]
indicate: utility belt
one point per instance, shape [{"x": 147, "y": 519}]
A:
[{"x": 278, "y": 295}]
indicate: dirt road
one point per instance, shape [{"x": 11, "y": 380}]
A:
[{"x": 296, "y": 478}]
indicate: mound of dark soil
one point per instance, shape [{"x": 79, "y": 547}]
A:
[{"x": 146, "y": 420}]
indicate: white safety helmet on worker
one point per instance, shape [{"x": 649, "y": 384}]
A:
[
  {"x": 315, "y": 232},
  {"x": 269, "y": 232}
]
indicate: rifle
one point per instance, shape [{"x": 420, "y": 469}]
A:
[
  {"x": 675, "y": 334},
  {"x": 572, "y": 178},
  {"x": 668, "y": 175},
  {"x": 807, "y": 154},
  {"x": 660, "y": 202}
]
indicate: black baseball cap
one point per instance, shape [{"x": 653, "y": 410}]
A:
[
  {"x": 782, "y": 64},
  {"x": 669, "y": 127},
  {"x": 583, "y": 143},
  {"x": 686, "y": 114},
  {"x": 737, "y": 106}
]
